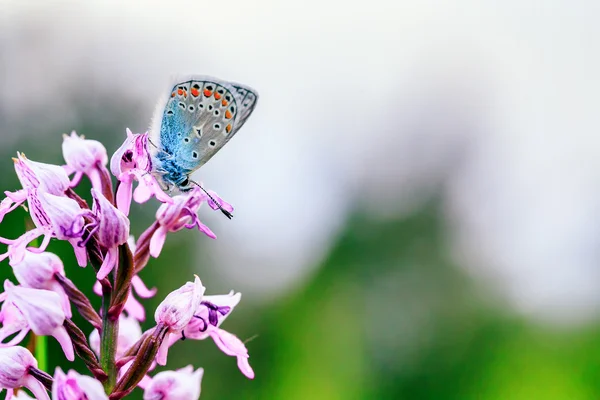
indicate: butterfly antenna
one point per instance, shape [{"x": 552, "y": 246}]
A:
[
  {"x": 227, "y": 213},
  {"x": 150, "y": 141}
]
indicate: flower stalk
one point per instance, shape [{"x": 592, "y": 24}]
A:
[{"x": 108, "y": 342}]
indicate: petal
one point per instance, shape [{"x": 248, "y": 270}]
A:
[
  {"x": 245, "y": 367},
  {"x": 224, "y": 205},
  {"x": 110, "y": 260},
  {"x": 233, "y": 346},
  {"x": 15, "y": 340},
  {"x": 143, "y": 192},
  {"x": 92, "y": 388},
  {"x": 97, "y": 288},
  {"x": 205, "y": 229},
  {"x": 80, "y": 252},
  {"x": 157, "y": 241},
  {"x": 141, "y": 289},
  {"x": 135, "y": 309},
  {"x": 63, "y": 338},
  {"x": 148, "y": 186},
  {"x": 12, "y": 202},
  {"x": 59, "y": 381},
  {"x": 66, "y": 304},
  {"x": 161, "y": 356},
  {"x": 124, "y": 190},
  {"x": 41, "y": 308},
  {"x": 38, "y": 390},
  {"x": 146, "y": 380}
]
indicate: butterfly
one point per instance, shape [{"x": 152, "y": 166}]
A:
[{"x": 194, "y": 120}]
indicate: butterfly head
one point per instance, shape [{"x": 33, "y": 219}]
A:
[{"x": 185, "y": 185}]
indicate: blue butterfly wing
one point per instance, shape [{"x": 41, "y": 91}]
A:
[{"x": 199, "y": 118}]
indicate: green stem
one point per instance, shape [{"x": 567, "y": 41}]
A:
[
  {"x": 108, "y": 344},
  {"x": 41, "y": 352}
]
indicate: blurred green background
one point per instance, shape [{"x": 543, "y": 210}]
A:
[{"x": 426, "y": 229}]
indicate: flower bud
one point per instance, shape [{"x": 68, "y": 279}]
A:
[
  {"x": 38, "y": 271},
  {"x": 81, "y": 154},
  {"x": 178, "y": 308},
  {"x": 32, "y": 175},
  {"x": 183, "y": 384},
  {"x": 113, "y": 228},
  {"x": 15, "y": 364},
  {"x": 172, "y": 217},
  {"x": 43, "y": 312}
]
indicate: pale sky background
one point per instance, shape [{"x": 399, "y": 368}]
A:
[{"x": 368, "y": 102}]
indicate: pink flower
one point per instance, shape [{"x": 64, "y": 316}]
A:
[
  {"x": 15, "y": 366},
  {"x": 84, "y": 157},
  {"x": 183, "y": 384},
  {"x": 132, "y": 162},
  {"x": 111, "y": 228},
  {"x": 176, "y": 311},
  {"x": 208, "y": 317},
  {"x": 33, "y": 176},
  {"x": 182, "y": 213},
  {"x": 74, "y": 386},
  {"x": 38, "y": 270},
  {"x": 38, "y": 310},
  {"x": 54, "y": 216}
]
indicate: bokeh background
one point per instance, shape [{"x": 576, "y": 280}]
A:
[{"x": 417, "y": 193}]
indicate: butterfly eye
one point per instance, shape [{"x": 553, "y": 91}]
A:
[{"x": 185, "y": 182}]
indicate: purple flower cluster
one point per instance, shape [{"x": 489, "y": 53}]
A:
[{"x": 118, "y": 353}]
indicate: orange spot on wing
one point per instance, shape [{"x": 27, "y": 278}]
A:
[
  {"x": 173, "y": 94},
  {"x": 180, "y": 92},
  {"x": 185, "y": 93},
  {"x": 228, "y": 114},
  {"x": 228, "y": 128},
  {"x": 224, "y": 103},
  {"x": 195, "y": 92},
  {"x": 217, "y": 96},
  {"x": 207, "y": 93}
]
